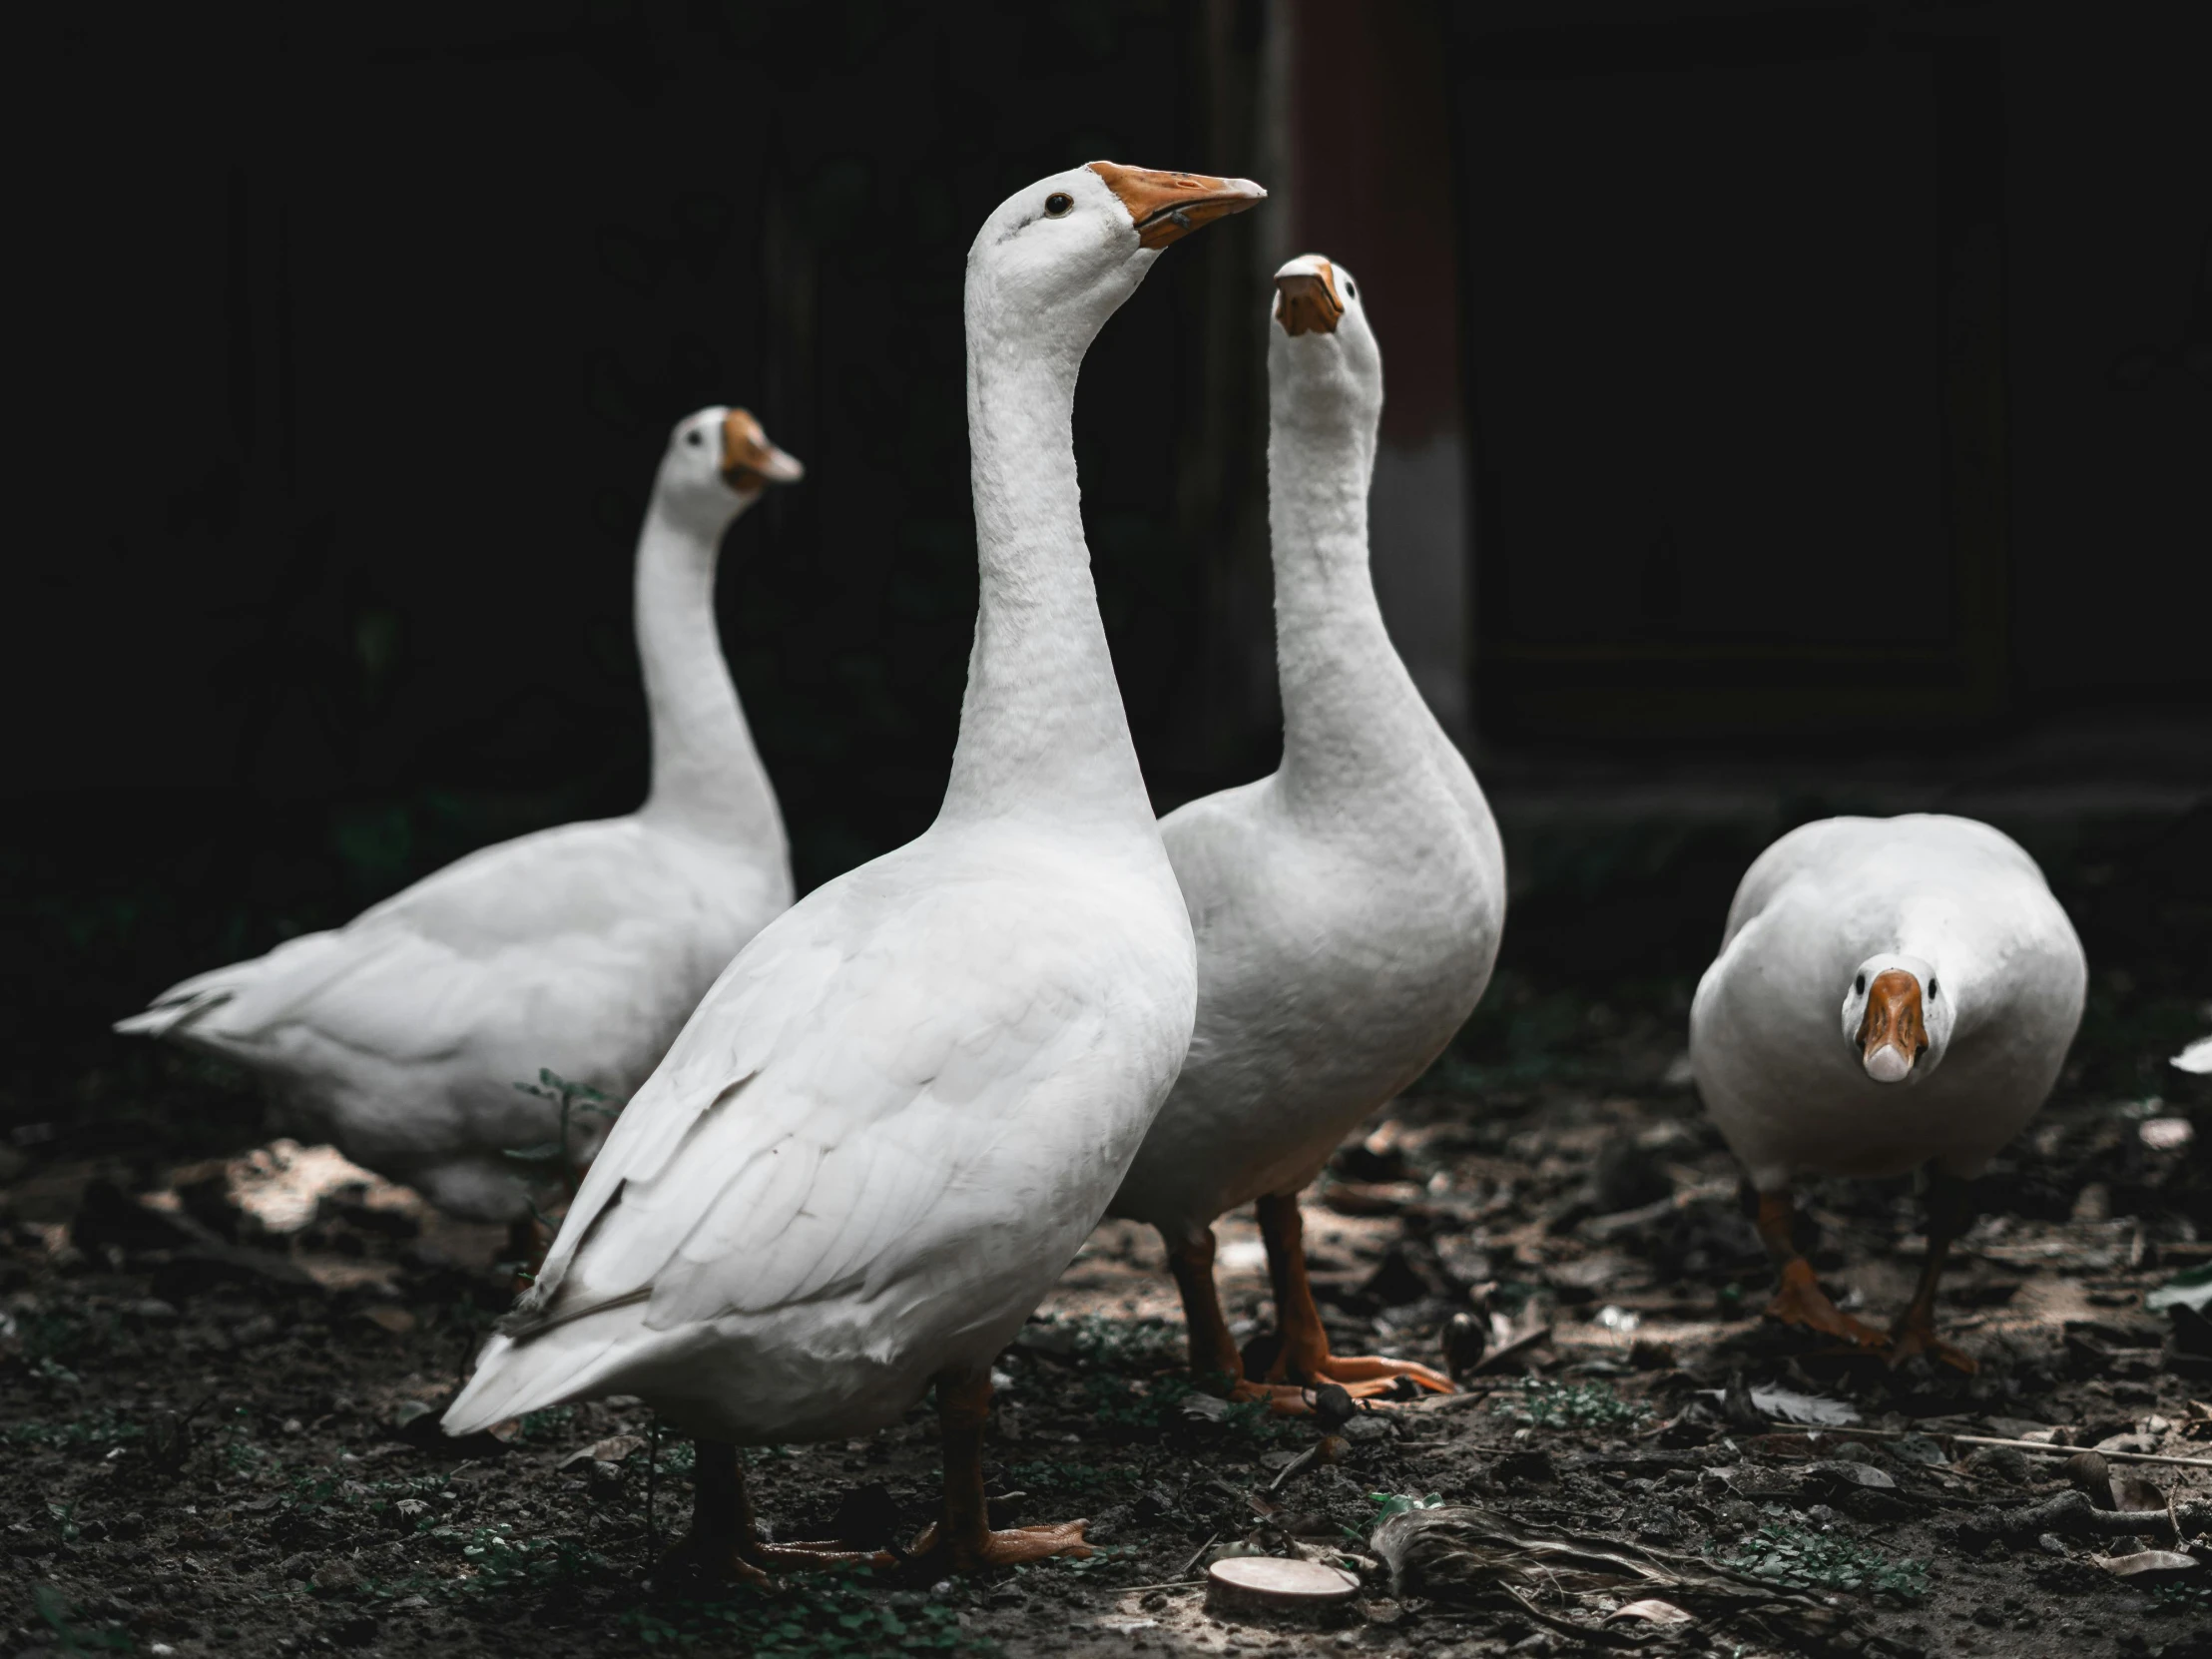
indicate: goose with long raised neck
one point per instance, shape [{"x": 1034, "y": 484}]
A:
[
  {"x": 1891, "y": 994},
  {"x": 402, "y": 1035},
  {"x": 1346, "y": 907},
  {"x": 895, "y": 1118}
]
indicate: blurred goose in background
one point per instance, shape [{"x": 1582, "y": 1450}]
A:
[
  {"x": 1960, "y": 983},
  {"x": 894, "y": 1119},
  {"x": 1346, "y": 907},
  {"x": 401, "y": 1036}
]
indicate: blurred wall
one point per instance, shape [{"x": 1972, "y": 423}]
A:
[
  {"x": 1838, "y": 374},
  {"x": 2108, "y": 198}
]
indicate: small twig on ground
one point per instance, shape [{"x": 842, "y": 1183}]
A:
[
  {"x": 1198, "y": 1556},
  {"x": 1471, "y": 1393},
  {"x": 1603, "y": 1229},
  {"x": 1297, "y": 1465},
  {"x": 2046, "y": 1449}
]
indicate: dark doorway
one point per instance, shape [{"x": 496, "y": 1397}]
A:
[{"x": 1734, "y": 307}]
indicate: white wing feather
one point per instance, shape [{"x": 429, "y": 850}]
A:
[
  {"x": 836, "y": 1114},
  {"x": 585, "y": 917}
]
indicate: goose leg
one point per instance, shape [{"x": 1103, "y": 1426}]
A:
[
  {"x": 721, "y": 1531},
  {"x": 1949, "y": 1211},
  {"x": 964, "y": 1539},
  {"x": 1304, "y": 1359},
  {"x": 1799, "y": 1299},
  {"x": 724, "y": 1542},
  {"x": 1214, "y": 1357}
]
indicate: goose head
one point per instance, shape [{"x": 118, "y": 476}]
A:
[
  {"x": 1057, "y": 258},
  {"x": 1896, "y": 1017},
  {"x": 719, "y": 462},
  {"x": 1323, "y": 359}
]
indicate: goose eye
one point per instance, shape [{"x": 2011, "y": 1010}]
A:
[
  {"x": 1858, "y": 985},
  {"x": 1058, "y": 204},
  {"x": 1935, "y": 986},
  {"x": 695, "y": 437},
  {"x": 1350, "y": 293}
]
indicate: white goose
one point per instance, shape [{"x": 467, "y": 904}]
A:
[
  {"x": 1346, "y": 907},
  {"x": 896, "y": 1116},
  {"x": 1890, "y": 994},
  {"x": 401, "y": 1037}
]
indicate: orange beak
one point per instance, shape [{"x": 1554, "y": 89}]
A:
[
  {"x": 1893, "y": 1021},
  {"x": 1308, "y": 303},
  {"x": 1166, "y": 207},
  {"x": 748, "y": 461}
]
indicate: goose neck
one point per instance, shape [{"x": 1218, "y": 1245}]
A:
[
  {"x": 706, "y": 775},
  {"x": 1347, "y": 698},
  {"x": 1042, "y": 727}
]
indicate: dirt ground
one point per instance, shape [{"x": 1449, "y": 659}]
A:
[{"x": 221, "y": 1380}]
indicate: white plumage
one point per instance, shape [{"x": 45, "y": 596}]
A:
[
  {"x": 1966, "y": 910},
  {"x": 896, "y": 1117},
  {"x": 401, "y": 1035},
  {"x": 1890, "y": 994},
  {"x": 1346, "y": 907}
]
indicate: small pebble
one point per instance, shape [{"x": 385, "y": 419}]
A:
[{"x": 2088, "y": 1474}]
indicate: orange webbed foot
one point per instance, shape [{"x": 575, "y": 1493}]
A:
[
  {"x": 1918, "y": 1335},
  {"x": 1354, "y": 1372},
  {"x": 1799, "y": 1301},
  {"x": 1015, "y": 1546},
  {"x": 1361, "y": 1376}
]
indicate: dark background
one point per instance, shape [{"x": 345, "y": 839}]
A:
[{"x": 1829, "y": 388}]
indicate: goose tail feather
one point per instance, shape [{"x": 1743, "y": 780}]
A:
[
  {"x": 561, "y": 1364},
  {"x": 173, "y": 1011}
]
